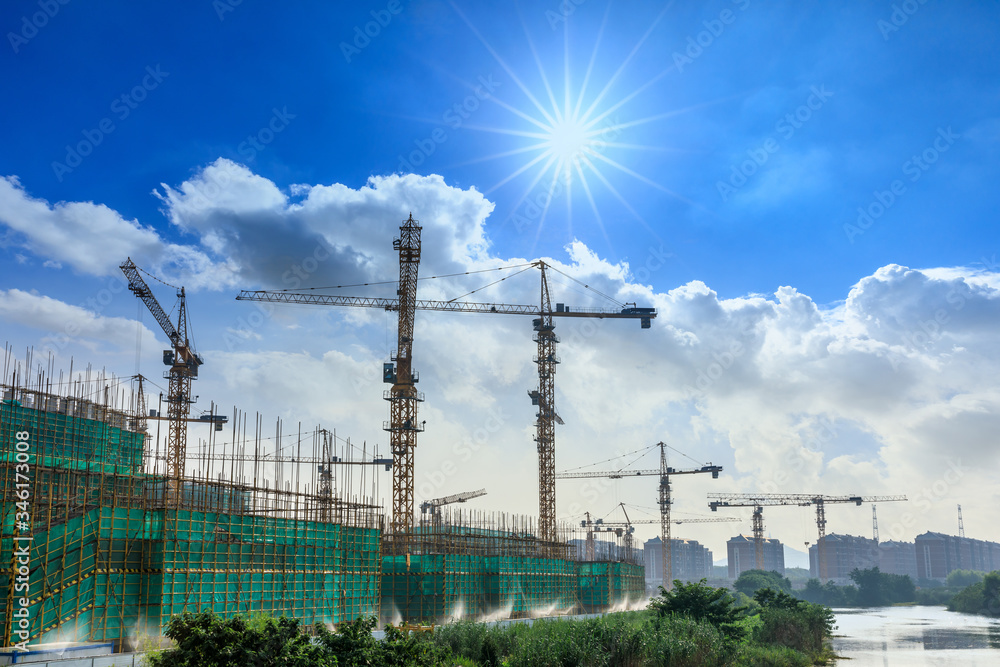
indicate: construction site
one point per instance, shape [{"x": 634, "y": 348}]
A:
[{"x": 114, "y": 524}]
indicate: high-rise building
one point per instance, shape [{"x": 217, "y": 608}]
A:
[
  {"x": 898, "y": 558},
  {"x": 690, "y": 561},
  {"x": 836, "y": 556},
  {"x": 742, "y": 555},
  {"x": 938, "y": 554}
]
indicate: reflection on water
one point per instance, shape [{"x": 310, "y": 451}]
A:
[{"x": 915, "y": 636}]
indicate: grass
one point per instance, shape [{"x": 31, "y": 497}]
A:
[{"x": 623, "y": 639}]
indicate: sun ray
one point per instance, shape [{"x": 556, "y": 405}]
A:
[
  {"x": 518, "y": 172},
  {"x": 628, "y": 58},
  {"x": 497, "y": 156},
  {"x": 614, "y": 191},
  {"x": 640, "y": 177},
  {"x": 593, "y": 59},
  {"x": 628, "y": 98},
  {"x": 541, "y": 69},
  {"x": 506, "y": 68},
  {"x": 545, "y": 211},
  {"x": 593, "y": 205}
]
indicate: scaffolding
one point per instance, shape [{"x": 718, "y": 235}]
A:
[
  {"x": 477, "y": 565},
  {"x": 255, "y": 529}
]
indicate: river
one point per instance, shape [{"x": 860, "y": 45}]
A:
[{"x": 915, "y": 636}]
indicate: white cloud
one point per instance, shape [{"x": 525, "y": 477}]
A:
[{"x": 879, "y": 393}]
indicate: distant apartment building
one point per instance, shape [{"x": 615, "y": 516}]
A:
[
  {"x": 742, "y": 555},
  {"x": 836, "y": 556},
  {"x": 938, "y": 554},
  {"x": 898, "y": 558},
  {"x": 690, "y": 561}
]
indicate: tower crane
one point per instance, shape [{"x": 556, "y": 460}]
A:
[
  {"x": 625, "y": 529},
  {"x": 434, "y": 506},
  {"x": 183, "y": 362},
  {"x": 760, "y": 500},
  {"x": 664, "y": 473},
  {"x": 403, "y": 420}
]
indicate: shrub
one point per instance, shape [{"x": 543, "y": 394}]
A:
[
  {"x": 701, "y": 603},
  {"x": 751, "y": 581},
  {"x": 207, "y": 640}
]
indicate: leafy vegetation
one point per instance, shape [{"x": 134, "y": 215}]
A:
[
  {"x": 982, "y": 597},
  {"x": 751, "y": 581},
  {"x": 691, "y": 625},
  {"x": 206, "y": 640},
  {"x": 873, "y": 589}
]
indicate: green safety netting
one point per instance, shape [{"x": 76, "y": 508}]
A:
[
  {"x": 71, "y": 441},
  {"x": 111, "y": 571}
]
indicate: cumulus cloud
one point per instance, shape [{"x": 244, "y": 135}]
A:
[
  {"x": 94, "y": 239},
  {"x": 324, "y": 234},
  {"x": 65, "y": 324},
  {"x": 877, "y": 393}
]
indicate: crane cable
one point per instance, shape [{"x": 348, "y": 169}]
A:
[{"x": 393, "y": 282}]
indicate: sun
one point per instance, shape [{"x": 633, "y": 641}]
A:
[
  {"x": 568, "y": 140},
  {"x": 571, "y": 132}
]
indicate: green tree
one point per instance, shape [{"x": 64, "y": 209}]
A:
[
  {"x": 963, "y": 578},
  {"x": 207, "y": 640},
  {"x": 870, "y": 590},
  {"x": 750, "y": 581},
  {"x": 701, "y": 603}
]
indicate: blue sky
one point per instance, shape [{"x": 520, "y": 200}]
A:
[{"x": 730, "y": 147}]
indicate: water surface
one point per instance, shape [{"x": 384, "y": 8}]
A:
[{"x": 915, "y": 636}]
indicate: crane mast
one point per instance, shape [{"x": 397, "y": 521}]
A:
[
  {"x": 403, "y": 396},
  {"x": 545, "y": 427},
  {"x": 664, "y": 472},
  {"x": 403, "y": 425},
  {"x": 183, "y": 363}
]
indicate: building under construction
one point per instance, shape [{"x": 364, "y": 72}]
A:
[{"x": 101, "y": 544}]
